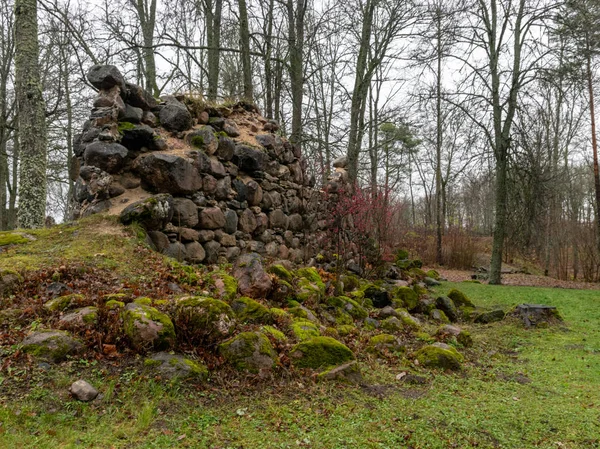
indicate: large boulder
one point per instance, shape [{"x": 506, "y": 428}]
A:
[
  {"x": 212, "y": 218},
  {"x": 140, "y": 138},
  {"x": 147, "y": 327},
  {"x": 249, "y": 351},
  {"x": 51, "y": 345},
  {"x": 252, "y": 278},
  {"x": 249, "y": 159},
  {"x": 185, "y": 213},
  {"x": 201, "y": 318},
  {"x": 446, "y": 305},
  {"x": 439, "y": 355},
  {"x": 139, "y": 97},
  {"x": 105, "y": 76},
  {"x": 204, "y": 139},
  {"x": 174, "y": 116},
  {"x": 167, "y": 173},
  {"x": 152, "y": 213},
  {"x": 107, "y": 156},
  {"x": 320, "y": 352},
  {"x": 490, "y": 317},
  {"x": 250, "y": 311}
]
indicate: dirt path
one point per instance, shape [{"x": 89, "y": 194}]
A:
[{"x": 523, "y": 280}]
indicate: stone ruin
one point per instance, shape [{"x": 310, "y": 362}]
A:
[{"x": 208, "y": 182}]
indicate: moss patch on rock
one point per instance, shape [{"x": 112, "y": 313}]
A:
[
  {"x": 61, "y": 303},
  {"x": 274, "y": 333},
  {"x": 460, "y": 299},
  {"x": 320, "y": 352},
  {"x": 249, "y": 351},
  {"x": 204, "y": 318},
  {"x": 383, "y": 343},
  {"x": 404, "y": 297},
  {"x": 250, "y": 311},
  {"x": 304, "y": 330},
  {"x": 51, "y": 345},
  {"x": 147, "y": 327},
  {"x": 439, "y": 355},
  {"x": 281, "y": 272}
]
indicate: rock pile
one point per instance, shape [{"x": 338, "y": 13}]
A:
[{"x": 208, "y": 182}]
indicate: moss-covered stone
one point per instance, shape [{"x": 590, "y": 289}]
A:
[
  {"x": 304, "y": 330},
  {"x": 448, "y": 333},
  {"x": 383, "y": 343},
  {"x": 250, "y": 311},
  {"x": 331, "y": 332},
  {"x": 281, "y": 272},
  {"x": 408, "y": 320},
  {"x": 308, "y": 292},
  {"x": 346, "y": 329},
  {"x": 467, "y": 313},
  {"x": 204, "y": 318},
  {"x": 312, "y": 275},
  {"x": 348, "y": 306},
  {"x": 125, "y": 126},
  {"x": 419, "y": 289},
  {"x": 225, "y": 285},
  {"x": 249, "y": 351},
  {"x": 433, "y": 274},
  {"x": 274, "y": 333},
  {"x": 491, "y": 316},
  {"x": 392, "y": 324},
  {"x": 346, "y": 373},
  {"x": 417, "y": 273},
  {"x": 320, "y": 352},
  {"x": 147, "y": 327},
  {"x": 351, "y": 282},
  {"x": 303, "y": 313},
  {"x": 144, "y": 300},
  {"x": 447, "y": 305},
  {"x": 51, "y": 345},
  {"x": 279, "y": 315},
  {"x": 404, "y": 297},
  {"x": 12, "y": 238},
  {"x": 439, "y": 316},
  {"x": 174, "y": 366},
  {"x": 61, "y": 303},
  {"x": 439, "y": 355},
  {"x": 460, "y": 299}
]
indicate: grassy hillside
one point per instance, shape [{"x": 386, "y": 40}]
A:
[{"x": 519, "y": 388}]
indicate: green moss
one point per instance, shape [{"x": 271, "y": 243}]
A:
[
  {"x": 404, "y": 297},
  {"x": 465, "y": 339},
  {"x": 113, "y": 304},
  {"x": 197, "y": 141},
  {"x": 125, "y": 126},
  {"x": 274, "y": 333},
  {"x": 279, "y": 315},
  {"x": 408, "y": 320},
  {"x": 308, "y": 291},
  {"x": 144, "y": 300},
  {"x": 459, "y": 298},
  {"x": 304, "y": 330},
  {"x": 231, "y": 285},
  {"x": 351, "y": 282},
  {"x": 417, "y": 273},
  {"x": 293, "y": 303},
  {"x": 91, "y": 315},
  {"x": 250, "y": 311},
  {"x": 433, "y": 274},
  {"x": 331, "y": 332},
  {"x": 392, "y": 324},
  {"x": 63, "y": 302},
  {"x": 439, "y": 355},
  {"x": 312, "y": 275},
  {"x": 468, "y": 313},
  {"x": 11, "y": 238},
  {"x": 348, "y": 306},
  {"x": 115, "y": 297},
  {"x": 151, "y": 363},
  {"x": 320, "y": 352},
  {"x": 204, "y": 317},
  {"x": 281, "y": 272},
  {"x": 419, "y": 290},
  {"x": 385, "y": 342},
  {"x": 137, "y": 316},
  {"x": 56, "y": 347},
  {"x": 401, "y": 254},
  {"x": 249, "y": 351},
  {"x": 439, "y": 316},
  {"x": 346, "y": 329}
]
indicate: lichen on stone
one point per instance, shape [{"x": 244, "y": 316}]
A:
[
  {"x": 250, "y": 311},
  {"x": 249, "y": 351}
]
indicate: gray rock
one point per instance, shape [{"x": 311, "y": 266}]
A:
[
  {"x": 176, "y": 250},
  {"x": 340, "y": 162},
  {"x": 248, "y": 159},
  {"x": 278, "y": 219},
  {"x": 109, "y": 157},
  {"x": 153, "y": 213},
  {"x": 212, "y": 252},
  {"x": 430, "y": 282},
  {"x": 446, "y": 305},
  {"x": 167, "y": 173},
  {"x": 159, "y": 240},
  {"x": 51, "y": 345},
  {"x": 247, "y": 221},
  {"x": 194, "y": 252},
  {"x": 83, "y": 391},
  {"x": 225, "y": 148},
  {"x": 141, "y": 138},
  {"x": 175, "y": 366},
  {"x": 490, "y": 317},
  {"x": 251, "y": 351},
  {"x": 212, "y": 218},
  {"x": 105, "y": 77},
  {"x": 253, "y": 280},
  {"x": 174, "y": 116},
  {"x": 204, "y": 139},
  {"x": 231, "y": 221},
  {"x": 185, "y": 213},
  {"x": 147, "y": 327},
  {"x": 140, "y": 98},
  {"x": 131, "y": 114}
]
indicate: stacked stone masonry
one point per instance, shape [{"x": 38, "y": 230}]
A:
[{"x": 208, "y": 182}]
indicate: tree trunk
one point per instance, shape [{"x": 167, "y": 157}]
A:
[
  {"x": 213, "y": 40},
  {"x": 438, "y": 143},
  {"x": 296, "y": 44},
  {"x": 500, "y": 222},
  {"x": 594, "y": 147},
  {"x": 31, "y": 117},
  {"x": 268, "y": 66},
  {"x": 245, "y": 48},
  {"x": 147, "y": 17}
]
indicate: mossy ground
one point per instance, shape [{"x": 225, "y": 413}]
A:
[{"x": 517, "y": 389}]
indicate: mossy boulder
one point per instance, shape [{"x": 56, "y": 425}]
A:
[
  {"x": 439, "y": 355},
  {"x": 281, "y": 272},
  {"x": 248, "y": 310},
  {"x": 249, "y": 351},
  {"x": 279, "y": 315},
  {"x": 86, "y": 316},
  {"x": 433, "y": 274},
  {"x": 345, "y": 330},
  {"x": 202, "y": 318},
  {"x": 147, "y": 327},
  {"x": 351, "y": 282},
  {"x": 154, "y": 212},
  {"x": 113, "y": 304},
  {"x": 379, "y": 296},
  {"x": 417, "y": 273},
  {"x": 303, "y": 313},
  {"x": 304, "y": 330},
  {"x": 491, "y": 316},
  {"x": 460, "y": 299},
  {"x": 392, "y": 324},
  {"x": 9, "y": 280},
  {"x": 439, "y": 316},
  {"x": 447, "y": 305},
  {"x": 61, "y": 303},
  {"x": 408, "y": 320},
  {"x": 384, "y": 343},
  {"x": 174, "y": 366},
  {"x": 307, "y": 291},
  {"x": 405, "y": 297},
  {"x": 226, "y": 286},
  {"x": 349, "y": 306},
  {"x": 312, "y": 275},
  {"x": 51, "y": 345},
  {"x": 320, "y": 352},
  {"x": 450, "y": 333},
  {"x": 144, "y": 300}
]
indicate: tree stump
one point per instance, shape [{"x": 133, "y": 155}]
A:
[{"x": 535, "y": 314}]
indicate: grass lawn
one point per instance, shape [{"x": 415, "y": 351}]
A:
[{"x": 519, "y": 389}]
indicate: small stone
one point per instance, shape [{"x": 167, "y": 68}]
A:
[{"x": 83, "y": 391}]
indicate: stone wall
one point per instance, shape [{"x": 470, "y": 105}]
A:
[{"x": 208, "y": 182}]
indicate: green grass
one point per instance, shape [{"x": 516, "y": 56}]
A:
[{"x": 481, "y": 407}]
